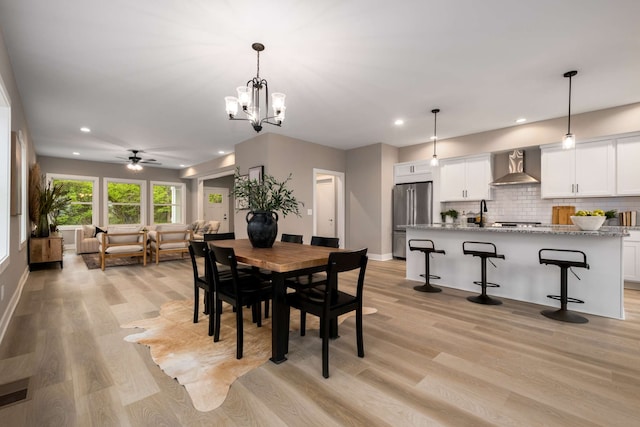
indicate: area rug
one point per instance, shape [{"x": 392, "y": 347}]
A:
[
  {"x": 184, "y": 351},
  {"x": 92, "y": 261}
]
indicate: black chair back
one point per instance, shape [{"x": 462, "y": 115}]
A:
[
  {"x": 197, "y": 249},
  {"x": 219, "y": 236},
  {"x": 291, "y": 238},
  {"x": 329, "y": 242},
  {"x": 340, "y": 262}
]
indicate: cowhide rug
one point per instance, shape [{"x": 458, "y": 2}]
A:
[{"x": 184, "y": 351}]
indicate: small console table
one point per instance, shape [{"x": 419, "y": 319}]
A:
[{"x": 45, "y": 249}]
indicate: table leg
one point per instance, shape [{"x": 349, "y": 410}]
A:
[{"x": 279, "y": 321}]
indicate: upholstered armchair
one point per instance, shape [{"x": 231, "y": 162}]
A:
[
  {"x": 123, "y": 241},
  {"x": 169, "y": 238}
]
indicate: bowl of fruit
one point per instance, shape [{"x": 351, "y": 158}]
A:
[{"x": 589, "y": 220}]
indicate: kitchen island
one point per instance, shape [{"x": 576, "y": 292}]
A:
[{"x": 520, "y": 276}]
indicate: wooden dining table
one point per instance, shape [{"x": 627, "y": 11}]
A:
[{"x": 284, "y": 260}]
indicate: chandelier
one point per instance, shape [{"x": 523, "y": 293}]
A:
[{"x": 249, "y": 99}]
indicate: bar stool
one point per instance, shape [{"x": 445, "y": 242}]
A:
[
  {"x": 563, "y": 314},
  {"x": 476, "y": 249},
  {"x": 427, "y": 249}
]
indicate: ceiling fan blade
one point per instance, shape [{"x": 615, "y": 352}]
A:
[{"x": 152, "y": 163}]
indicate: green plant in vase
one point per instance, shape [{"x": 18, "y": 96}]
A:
[
  {"x": 264, "y": 198},
  {"x": 52, "y": 200}
]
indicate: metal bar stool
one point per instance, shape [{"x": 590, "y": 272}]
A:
[
  {"x": 427, "y": 247},
  {"x": 563, "y": 314},
  {"x": 476, "y": 249}
]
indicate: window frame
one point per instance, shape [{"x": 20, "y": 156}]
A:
[
  {"x": 183, "y": 201},
  {"x": 5, "y": 176},
  {"x": 24, "y": 181},
  {"x": 95, "y": 202},
  {"x": 143, "y": 198}
]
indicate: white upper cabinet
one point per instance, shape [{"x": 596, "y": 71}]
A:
[
  {"x": 465, "y": 178},
  {"x": 419, "y": 171},
  {"x": 586, "y": 171},
  {"x": 627, "y": 166}
]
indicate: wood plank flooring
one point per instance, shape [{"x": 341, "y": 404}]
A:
[{"x": 430, "y": 359}]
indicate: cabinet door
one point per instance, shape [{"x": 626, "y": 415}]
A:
[
  {"x": 557, "y": 173},
  {"x": 478, "y": 176},
  {"x": 38, "y": 250},
  {"x": 595, "y": 174},
  {"x": 452, "y": 180},
  {"x": 54, "y": 249},
  {"x": 627, "y": 170}
]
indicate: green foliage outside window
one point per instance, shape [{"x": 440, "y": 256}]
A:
[
  {"x": 79, "y": 210},
  {"x": 124, "y": 203},
  {"x": 166, "y": 204}
]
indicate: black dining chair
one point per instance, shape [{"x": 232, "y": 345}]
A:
[
  {"x": 291, "y": 238},
  {"x": 208, "y": 237},
  {"x": 329, "y": 242},
  {"x": 317, "y": 279},
  {"x": 199, "y": 249},
  {"x": 330, "y": 302},
  {"x": 238, "y": 291}
]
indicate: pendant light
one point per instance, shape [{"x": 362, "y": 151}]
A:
[
  {"x": 434, "y": 159},
  {"x": 569, "y": 140}
]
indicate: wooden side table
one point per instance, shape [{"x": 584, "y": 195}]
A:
[{"x": 45, "y": 249}]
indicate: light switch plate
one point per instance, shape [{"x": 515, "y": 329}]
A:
[{"x": 309, "y": 212}]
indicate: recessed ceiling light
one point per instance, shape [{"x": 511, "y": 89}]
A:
[
  {"x": 221, "y": 152},
  {"x": 521, "y": 120},
  {"x": 85, "y": 129},
  {"x": 182, "y": 166},
  {"x": 399, "y": 122},
  {"x": 75, "y": 153}
]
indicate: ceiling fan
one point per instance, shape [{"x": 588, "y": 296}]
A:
[{"x": 134, "y": 162}]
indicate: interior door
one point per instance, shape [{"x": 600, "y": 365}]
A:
[
  {"x": 326, "y": 207},
  {"x": 216, "y": 206}
]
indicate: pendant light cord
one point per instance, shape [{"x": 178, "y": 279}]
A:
[{"x": 569, "y": 121}]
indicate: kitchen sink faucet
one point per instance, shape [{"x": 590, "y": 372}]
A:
[{"x": 483, "y": 203}]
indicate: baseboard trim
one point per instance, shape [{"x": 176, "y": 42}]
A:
[
  {"x": 380, "y": 257},
  {"x": 13, "y": 303}
]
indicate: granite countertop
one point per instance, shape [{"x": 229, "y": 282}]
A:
[{"x": 569, "y": 230}]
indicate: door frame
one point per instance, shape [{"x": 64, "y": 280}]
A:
[
  {"x": 200, "y": 192},
  {"x": 340, "y": 202}
]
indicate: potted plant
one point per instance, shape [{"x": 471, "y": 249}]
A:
[
  {"x": 264, "y": 197},
  {"x": 449, "y": 216},
  {"x": 51, "y": 199}
]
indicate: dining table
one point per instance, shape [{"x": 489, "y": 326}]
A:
[{"x": 284, "y": 260}]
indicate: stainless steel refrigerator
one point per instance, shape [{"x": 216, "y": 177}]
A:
[{"x": 412, "y": 204}]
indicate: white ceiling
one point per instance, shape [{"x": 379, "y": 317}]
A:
[{"x": 152, "y": 74}]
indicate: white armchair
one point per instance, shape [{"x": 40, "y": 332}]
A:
[{"x": 123, "y": 242}]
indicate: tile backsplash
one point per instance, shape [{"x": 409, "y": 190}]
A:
[{"x": 523, "y": 203}]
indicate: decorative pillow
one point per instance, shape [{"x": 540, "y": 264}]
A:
[
  {"x": 100, "y": 230},
  {"x": 89, "y": 231},
  {"x": 197, "y": 225},
  {"x": 210, "y": 227}
]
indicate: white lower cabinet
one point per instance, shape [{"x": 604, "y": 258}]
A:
[{"x": 632, "y": 257}]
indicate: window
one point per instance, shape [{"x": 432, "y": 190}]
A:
[
  {"x": 5, "y": 175},
  {"x": 125, "y": 201},
  {"x": 24, "y": 169},
  {"x": 169, "y": 202},
  {"x": 83, "y": 200}
]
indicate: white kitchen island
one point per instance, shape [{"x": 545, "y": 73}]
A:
[{"x": 521, "y": 276}]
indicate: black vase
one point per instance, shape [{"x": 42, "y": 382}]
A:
[{"x": 262, "y": 228}]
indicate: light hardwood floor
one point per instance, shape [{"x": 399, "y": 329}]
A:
[{"x": 430, "y": 359}]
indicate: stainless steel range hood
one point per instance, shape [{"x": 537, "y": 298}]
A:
[{"x": 516, "y": 174}]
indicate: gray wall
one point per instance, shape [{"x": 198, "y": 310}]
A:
[
  {"x": 369, "y": 185},
  {"x": 281, "y": 155},
  {"x": 611, "y": 121},
  {"x": 16, "y": 270},
  {"x": 111, "y": 170}
]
